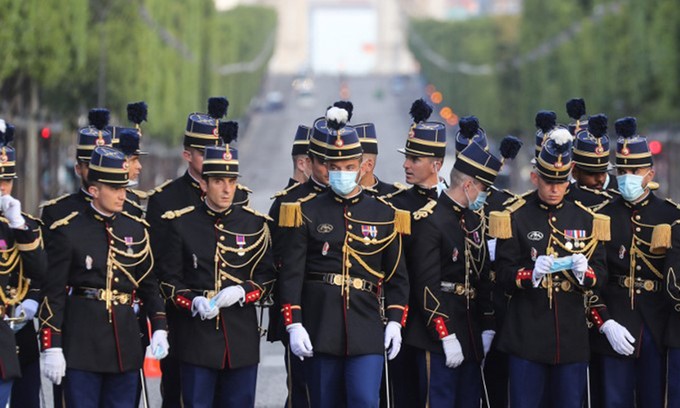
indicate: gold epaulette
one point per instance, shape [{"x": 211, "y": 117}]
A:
[
  {"x": 402, "y": 218},
  {"x": 158, "y": 188},
  {"x": 424, "y": 211},
  {"x": 500, "y": 225},
  {"x": 172, "y": 214},
  {"x": 63, "y": 221},
  {"x": 401, "y": 189},
  {"x": 53, "y": 201},
  {"x": 36, "y": 219},
  {"x": 290, "y": 214},
  {"x": 595, "y": 191},
  {"x": 134, "y": 204},
  {"x": 601, "y": 223},
  {"x": 653, "y": 185},
  {"x": 400, "y": 186},
  {"x": 516, "y": 198},
  {"x": 600, "y": 206},
  {"x": 661, "y": 239},
  {"x": 134, "y": 217},
  {"x": 259, "y": 214},
  {"x": 676, "y": 205},
  {"x": 613, "y": 191},
  {"x": 244, "y": 188},
  {"x": 285, "y": 191},
  {"x": 139, "y": 193}
]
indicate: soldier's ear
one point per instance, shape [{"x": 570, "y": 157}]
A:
[
  {"x": 204, "y": 184},
  {"x": 93, "y": 190},
  {"x": 534, "y": 179}
]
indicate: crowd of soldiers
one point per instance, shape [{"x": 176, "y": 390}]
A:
[{"x": 438, "y": 294}]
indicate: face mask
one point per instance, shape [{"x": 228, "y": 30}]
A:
[
  {"x": 479, "y": 201},
  {"x": 630, "y": 186},
  {"x": 343, "y": 182}
]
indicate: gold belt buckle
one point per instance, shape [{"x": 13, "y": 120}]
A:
[
  {"x": 648, "y": 285},
  {"x": 103, "y": 295},
  {"x": 627, "y": 282},
  {"x": 544, "y": 283},
  {"x": 566, "y": 286},
  {"x": 337, "y": 280},
  {"x": 357, "y": 283},
  {"x": 123, "y": 298},
  {"x": 460, "y": 290}
]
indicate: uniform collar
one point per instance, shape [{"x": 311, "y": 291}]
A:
[
  {"x": 85, "y": 195},
  {"x": 348, "y": 200},
  {"x": 427, "y": 192},
  {"x": 97, "y": 215},
  {"x": 316, "y": 186},
  {"x": 192, "y": 182},
  {"x": 548, "y": 207},
  {"x": 642, "y": 203},
  {"x": 216, "y": 214},
  {"x": 449, "y": 202}
]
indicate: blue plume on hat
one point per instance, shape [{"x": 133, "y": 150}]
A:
[
  {"x": 420, "y": 111},
  {"x": 228, "y": 131},
  {"x": 217, "y": 107},
  {"x": 576, "y": 108},
  {"x": 346, "y": 105},
  {"x": 137, "y": 112},
  {"x": 336, "y": 118},
  {"x": 597, "y": 125},
  {"x": 99, "y": 118},
  {"x": 128, "y": 141},
  {"x": 546, "y": 120},
  {"x": 510, "y": 146},
  {"x": 469, "y": 125},
  {"x": 626, "y": 127}
]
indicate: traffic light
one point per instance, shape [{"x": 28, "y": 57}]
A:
[{"x": 45, "y": 133}]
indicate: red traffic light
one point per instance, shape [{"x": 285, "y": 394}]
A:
[
  {"x": 45, "y": 133},
  {"x": 655, "y": 147}
]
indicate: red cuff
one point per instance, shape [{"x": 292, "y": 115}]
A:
[
  {"x": 253, "y": 296},
  {"x": 596, "y": 318},
  {"x": 522, "y": 276},
  {"x": 404, "y": 316},
  {"x": 440, "y": 327},
  {"x": 49, "y": 338},
  {"x": 182, "y": 302},
  {"x": 291, "y": 314},
  {"x": 590, "y": 274}
]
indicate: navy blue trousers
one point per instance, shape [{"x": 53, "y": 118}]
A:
[
  {"x": 533, "y": 385},
  {"x": 496, "y": 375},
  {"x": 298, "y": 397},
  {"x": 170, "y": 384},
  {"x": 329, "y": 378},
  {"x": 441, "y": 386},
  {"x": 5, "y": 391},
  {"x": 26, "y": 390},
  {"x": 673, "y": 382},
  {"x": 233, "y": 387},
  {"x": 85, "y": 389},
  {"x": 624, "y": 379}
]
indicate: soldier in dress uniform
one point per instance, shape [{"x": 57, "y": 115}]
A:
[
  {"x": 217, "y": 263},
  {"x": 315, "y": 151},
  {"x": 22, "y": 267},
  {"x": 369, "y": 181},
  {"x": 136, "y": 113},
  {"x": 672, "y": 337},
  {"x": 100, "y": 261},
  {"x": 344, "y": 257},
  {"x": 88, "y": 138},
  {"x": 591, "y": 164},
  {"x": 301, "y": 160},
  {"x": 423, "y": 158},
  {"x": 631, "y": 312},
  {"x": 549, "y": 253},
  {"x": 201, "y": 131},
  {"x": 450, "y": 270}
]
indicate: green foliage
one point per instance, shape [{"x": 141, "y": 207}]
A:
[{"x": 626, "y": 62}]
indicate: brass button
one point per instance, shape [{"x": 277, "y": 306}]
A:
[
  {"x": 115, "y": 292},
  {"x": 115, "y": 267},
  {"x": 349, "y": 214},
  {"x": 637, "y": 229},
  {"x": 348, "y": 264},
  {"x": 349, "y": 227},
  {"x": 221, "y": 226},
  {"x": 224, "y": 265},
  {"x": 637, "y": 217},
  {"x": 222, "y": 238},
  {"x": 116, "y": 279},
  {"x": 111, "y": 242},
  {"x": 115, "y": 303},
  {"x": 222, "y": 251},
  {"x": 350, "y": 239},
  {"x": 638, "y": 268},
  {"x": 637, "y": 291},
  {"x": 553, "y": 219}
]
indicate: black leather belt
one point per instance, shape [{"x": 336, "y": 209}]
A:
[
  {"x": 100, "y": 294},
  {"x": 639, "y": 284},
  {"x": 458, "y": 289},
  {"x": 336, "y": 279}
]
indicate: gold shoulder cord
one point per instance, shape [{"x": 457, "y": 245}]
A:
[
  {"x": 635, "y": 250},
  {"x": 8, "y": 264},
  {"x": 474, "y": 263}
]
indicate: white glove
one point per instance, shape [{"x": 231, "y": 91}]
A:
[
  {"x": 579, "y": 266},
  {"x": 541, "y": 268},
  {"x": 452, "y": 351},
  {"x": 201, "y": 306},
  {"x": 159, "y": 344},
  {"x": 619, "y": 337},
  {"x": 53, "y": 364},
  {"x": 487, "y": 339},
  {"x": 392, "y": 339},
  {"x": 11, "y": 208},
  {"x": 28, "y": 308},
  {"x": 229, "y": 296},
  {"x": 300, "y": 344}
]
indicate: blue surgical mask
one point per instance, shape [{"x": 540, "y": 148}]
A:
[
  {"x": 630, "y": 186},
  {"x": 343, "y": 182},
  {"x": 479, "y": 201}
]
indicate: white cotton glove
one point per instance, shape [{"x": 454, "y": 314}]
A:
[
  {"x": 487, "y": 339},
  {"x": 53, "y": 364},
  {"x": 579, "y": 266},
  {"x": 26, "y": 309},
  {"x": 229, "y": 296},
  {"x": 541, "y": 268},
  {"x": 392, "y": 339},
  {"x": 619, "y": 337},
  {"x": 159, "y": 344},
  {"x": 452, "y": 351},
  {"x": 300, "y": 343},
  {"x": 11, "y": 208},
  {"x": 201, "y": 306}
]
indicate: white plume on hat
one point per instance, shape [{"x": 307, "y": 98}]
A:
[
  {"x": 3, "y": 126},
  {"x": 561, "y": 136},
  {"x": 338, "y": 115}
]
